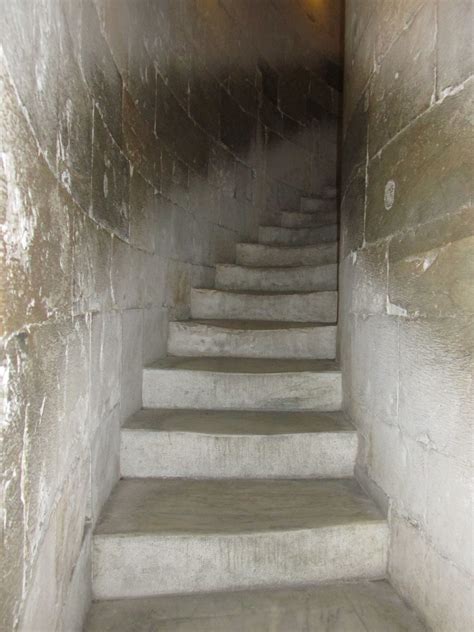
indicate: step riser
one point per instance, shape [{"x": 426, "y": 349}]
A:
[
  {"x": 315, "y": 205},
  {"x": 259, "y": 255},
  {"x": 241, "y": 391},
  {"x": 288, "y": 219},
  {"x": 133, "y": 566},
  {"x": 317, "y": 307},
  {"x": 274, "y": 235},
  {"x": 293, "y": 280},
  {"x": 194, "y": 455},
  {"x": 318, "y": 343}
]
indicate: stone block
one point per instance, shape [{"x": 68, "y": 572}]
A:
[
  {"x": 105, "y": 457},
  {"x": 435, "y": 407},
  {"x": 436, "y": 283},
  {"x": 30, "y": 40},
  {"x": 404, "y": 84},
  {"x": 204, "y": 100},
  {"x": 353, "y": 213},
  {"x": 98, "y": 67},
  {"x": 155, "y": 331},
  {"x": 366, "y": 280},
  {"x": 238, "y": 128},
  {"x": 435, "y": 145},
  {"x": 92, "y": 260},
  {"x": 110, "y": 181},
  {"x": 59, "y": 550},
  {"x": 79, "y": 591},
  {"x": 373, "y": 394},
  {"x": 395, "y": 462},
  {"x": 455, "y": 48},
  {"x": 392, "y": 19},
  {"x": 106, "y": 354},
  {"x": 142, "y": 146},
  {"x": 132, "y": 362},
  {"x": 435, "y": 587},
  {"x": 75, "y": 111},
  {"x": 142, "y": 213},
  {"x": 449, "y": 519},
  {"x": 354, "y": 149}
]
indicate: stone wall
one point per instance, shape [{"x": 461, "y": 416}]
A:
[
  {"x": 406, "y": 274},
  {"x": 139, "y": 141}
]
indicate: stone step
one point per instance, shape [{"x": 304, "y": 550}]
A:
[
  {"x": 279, "y": 236},
  {"x": 329, "y": 192},
  {"x": 294, "y": 219},
  {"x": 252, "y": 339},
  {"x": 295, "y": 306},
  {"x": 237, "y": 444},
  {"x": 291, "y": 279},
  {"x": 242, "y": 384},
  {"x": 347, "y": 607},
  {"x": 159, "y": 536},
  {"x": 316, "y": 204},
  {"x": 260, "y": 255}
]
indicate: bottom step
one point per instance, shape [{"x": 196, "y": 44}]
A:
[
  {"x": 178, "y": 536},
  {"x": 359, "y": 607}
]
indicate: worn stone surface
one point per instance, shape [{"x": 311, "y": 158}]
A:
[
  {"x": 304, "y": 278},
  {"x": 359, "y": 607},
  {"x": 136, "y": 151},
  {"x": 252, "y": 339},
  {"x": 273, "y": 256},
  {"x": 279, "y": 236},
  {"x": 242, "y": 383},
  {"x": 231, "y": 444},
  {"x": 300, "y": 307},
  {"x": 192, "y": 536},
  {"x": 406, "y": 344}
]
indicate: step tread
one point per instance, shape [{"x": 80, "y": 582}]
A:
[
  {"x": 357, "y": 606},
  {"x": 197, "y": 507},
  {"x": 235, "y": 422},
  {"x": 283, "y": 247},
  {"x": 298, "y": 228},
  {"x": 263, "y": 292},
  {"x": 250, "y": 325},
  {"x": 275, "y": 269},
  {"x": 243, "y": 365}
]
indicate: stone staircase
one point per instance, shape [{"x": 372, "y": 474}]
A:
[{"x": 237, "y": 475}]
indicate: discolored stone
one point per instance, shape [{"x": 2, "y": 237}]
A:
[{"x": 435, "y": 147}]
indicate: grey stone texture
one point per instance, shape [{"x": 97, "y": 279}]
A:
[
  {"x": 354, "y": 607},
  {"x": 405, "y": 275},
  {"x": 140, "y": 141},
  {"x": 237, "y": 444},
  {"x": 252, "y": 339},
  {"x": 181, "y": 535}
]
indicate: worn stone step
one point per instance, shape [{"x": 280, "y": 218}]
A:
[
  {"x": 291, "y": 279},
  {"x": 252, "y": 339},
  {"x": 292, "y": 306},
  {"x": 317, "y": 204},
  {"x": 237, "y": 444},
  {"x": 294, "y": 219},
  {"x": 364, "y": 606},
  {"x": 277, "y": 235},
  {"x": 329, "y": 191},
  {"x": 260, "y": 255},
  {"x": 242, "y": 383},
  {"x": 159, "y": 536}
]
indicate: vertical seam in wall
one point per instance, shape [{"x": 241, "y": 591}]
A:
[{"x": 435, "y": 71}]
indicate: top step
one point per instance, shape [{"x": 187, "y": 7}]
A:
[{"x": 318, "y": 204}]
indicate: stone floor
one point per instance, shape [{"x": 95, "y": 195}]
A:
[{"x": 358, "y": 607}]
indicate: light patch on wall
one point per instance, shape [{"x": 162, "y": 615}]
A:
[{"x": 389, "y": 195}]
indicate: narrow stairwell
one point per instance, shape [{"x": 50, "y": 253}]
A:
[{"x": 237, "y": 499}]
